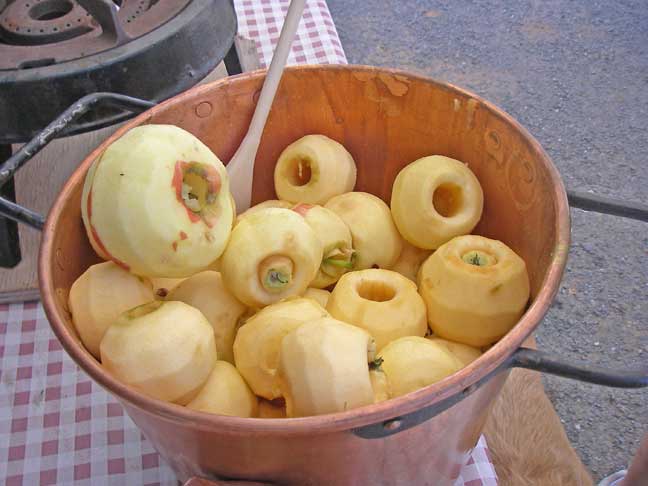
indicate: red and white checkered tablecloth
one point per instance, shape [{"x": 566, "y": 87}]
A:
[
  {"x": 56, "y": 425},
  {"x": 59, "y": 427},
  {"x": 316, "y": 41}
]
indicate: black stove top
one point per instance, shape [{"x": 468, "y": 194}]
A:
[{"x": 53, "y": 52}]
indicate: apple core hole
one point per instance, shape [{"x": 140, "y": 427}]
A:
[
  {"x": 299, "y": 171},
  {"x": 376, "y": 291},
  {"x": 276, "y": 272},
  {"x": 195, "y": 188},
  {"x": 447, "y": 199}
]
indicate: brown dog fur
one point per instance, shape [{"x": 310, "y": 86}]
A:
[{"x": 526, "y": 440}]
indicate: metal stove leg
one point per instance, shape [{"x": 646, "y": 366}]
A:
[
  {"x": 232, "y": 62},
  {"x": 9, "y": 242}
]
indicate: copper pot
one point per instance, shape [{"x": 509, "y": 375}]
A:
[{"x": 386, "y": 118}]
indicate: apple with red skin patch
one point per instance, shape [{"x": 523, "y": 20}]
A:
[{"x": 157, "y": 203}]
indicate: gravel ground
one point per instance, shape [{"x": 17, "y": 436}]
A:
[{"x": 575, "y": 73}]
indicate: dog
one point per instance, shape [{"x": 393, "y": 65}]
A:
[{"x": 527, "y": 442}]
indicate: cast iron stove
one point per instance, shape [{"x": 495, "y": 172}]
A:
[{"x": 107, "y": 60}]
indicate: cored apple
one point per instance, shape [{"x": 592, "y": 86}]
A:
[
  {"x": 475, "y": 290},
  {"x": 313, "y": 169},
  {"x": 272, "y": 254},
  {"x": 435, "y": 199},
  {"x": 382, "y": 302}
]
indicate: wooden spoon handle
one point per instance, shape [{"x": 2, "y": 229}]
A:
[{"x": 241, "y": 167}]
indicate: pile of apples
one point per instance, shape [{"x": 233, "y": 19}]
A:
[{"x": 318, "y": 302}]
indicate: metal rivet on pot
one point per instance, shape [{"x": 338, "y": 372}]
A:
[
  {"x": 204, "y": 109},
  {"x": 393, "y": 424}
]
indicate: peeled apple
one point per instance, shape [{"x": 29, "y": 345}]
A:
[
  {"x": 414, "y": 362},
  {"x": 324, "y": 368},
  {"x": 226, "y": 393},
  {"x": 380, "y": 385},
  {"x": 382, "y": 302},
  {"x": 272, "y": 254},
  {"x": 258, "y": 342},
  {"x": 157, "y": 203},
  {"x": 375, "y": 237},
  {"x": 270, "y": 203},
  {"x": 162, "y": 286},
  {"x": 206, "y": 292},
  {"x": 464, "y": 353},
  {"x": 475, "y": 290},
  {"x": 333, "y": 233},
  {"x": 320, "y": 296},
  {"x": 435, "y": 199},
  {"x": 410, "y": 260},
  {"x": 99, "y": 296},
  {"x": 313, "y": 169},
  {"x": 163, "y": 349}
]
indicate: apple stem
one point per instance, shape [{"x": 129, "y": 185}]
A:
[
  {"x": 478, "y": 258},
  {"x": 341, "y": 260}
]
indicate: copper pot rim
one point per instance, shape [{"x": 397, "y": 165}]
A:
[{"x": 456, "y": 383}]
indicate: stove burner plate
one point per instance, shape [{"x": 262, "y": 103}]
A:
[
  {"x": 35, "y": 33},
  {"x": 149, "y": 49}
]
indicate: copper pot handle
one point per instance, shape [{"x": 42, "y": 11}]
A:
[
  {"x": 522, "y": 358},
  {"x": 607, "y": 205},
  {"x": 532, "y": 359}
]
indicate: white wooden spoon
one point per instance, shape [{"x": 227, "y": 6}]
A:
[{"x": 241, "y": 166}]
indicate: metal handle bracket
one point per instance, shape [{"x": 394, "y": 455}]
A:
[{"x": 18, "y": 213}]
